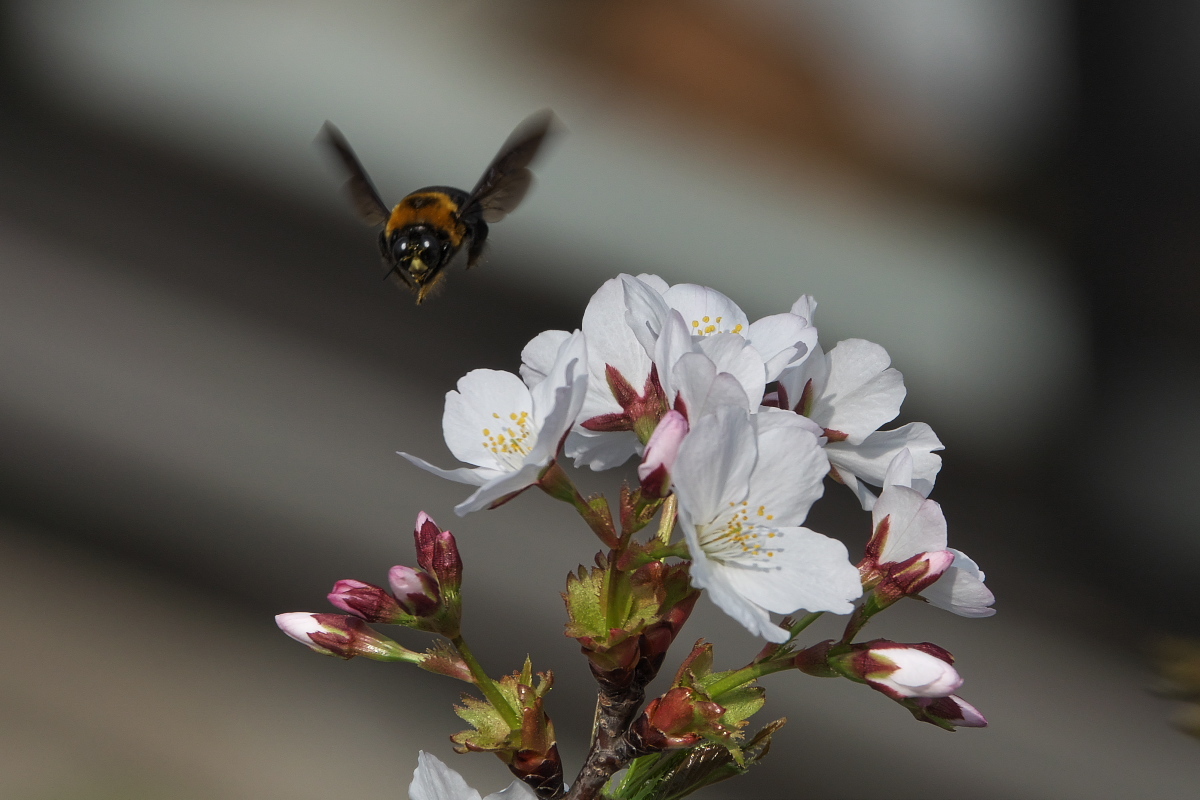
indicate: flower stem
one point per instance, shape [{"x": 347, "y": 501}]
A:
[
  {"x": 804, "y": 622},
  {"x": 556, "y": 483},
  {"x": 745, "y": 675},
  {"x": 486, "y": 684},
  {"x": 666, "y": 521}
]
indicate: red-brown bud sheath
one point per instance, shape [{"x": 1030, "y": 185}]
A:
[
  {"x": 365, "y": 600},
  {"x": 344, "y": 637},
  {"x": 447, "y": 564},
  {"x": 425, "y": 533}
]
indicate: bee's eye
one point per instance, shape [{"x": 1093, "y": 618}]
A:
[{"x": 431, "y": 248}]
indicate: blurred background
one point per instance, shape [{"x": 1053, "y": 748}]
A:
[{"x": 203, "y": 379}]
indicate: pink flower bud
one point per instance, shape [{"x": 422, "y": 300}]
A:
[
  {"x": 365, "y": 600},
  {"x": 661, "y": 450},
  {"x": 946, "y": 712},
  {"x": 344, "y": 637},
  {"x": 416, "y": 591},
  {"x": 900, "y": 670},
  {"x": 425, "y": 532}
]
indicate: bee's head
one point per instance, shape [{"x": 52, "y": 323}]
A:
[{"x": 418, "y": 251}]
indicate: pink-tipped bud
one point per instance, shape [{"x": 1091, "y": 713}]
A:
[
  {"x": 900, "y": 670},
  {"x": 343, "y": 637},
  {"x": 365, "y": 600},
  {"x": 416, "y": 591},
  {"x": 655, "y": 470},
  {"x": 424, "y": 533},
  {"x": 946, "y": 712},
  {"x": 447, "y": 563}
]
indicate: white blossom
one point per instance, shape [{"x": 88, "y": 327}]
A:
[
  {"x": 916, "y": 525},
  {"x": 852, "y": 391},
  {"x": 745, "y": 485},
  {"x": 509, "y": 431}
]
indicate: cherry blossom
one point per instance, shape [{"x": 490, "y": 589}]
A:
[
  {"x": 907, "y": 525},
  {"x": 745, "y": 485},
  {"x": 852, "y": 391},
  {"x": 510, "y": 431}
]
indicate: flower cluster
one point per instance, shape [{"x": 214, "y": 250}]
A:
[{"x": 735, "y": 425}]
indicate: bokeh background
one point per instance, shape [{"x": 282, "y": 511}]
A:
[{"x": 203, "y": 380}]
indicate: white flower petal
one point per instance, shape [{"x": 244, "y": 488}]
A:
[
  {"x": 732, "y": 354},
  {"x": 504, "y": 484},
  {"x": 862, "y": 393},
  {"x": 869, "y": 460},
  {"x": 783, "y": 340},
  {"x": 900, "y": 471},
  {"x": 809, "y": 571},
  {"x": 714, "y": 463},
  {"x": 713, "y": 578},
  {"x": 960, "y": 589},
  {"x": 674, "y": 342},
  {"x": 789, "y": 475},
  {"x": 645, "y": 311},
  {"x": 433, "y": 780},
  {"x": 915, "y": 525},
  {"x": 538, "y": 356},
  {"x": 601, "y": 450},
  {"x": 487, "y": 422},
  {"x": 814, "y": 369},
  {"x": 702, "y": 389},
  {"x": 918, "y": 673},
  {"x": 805, "y": 307},
  {"x": 475, "y": 476},
  {"x": 515, "y": 791},
  {"x": 562, "y": 393},
  {"x": 706, "y": 310},
  {"x": 610, "y": 342}
]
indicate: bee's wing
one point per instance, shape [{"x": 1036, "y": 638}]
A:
[
  {"x": 507, "y": 178},
  {"x": 359, "y": 188}
]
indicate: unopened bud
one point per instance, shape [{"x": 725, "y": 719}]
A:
[
  {"x": 900, "y": 670},
  {"x": 344, "y": 637},
  {"x": 447, "y": 564},
  {"x": 366, "y": 600},
  {"x": 424, "y": 533},
  {"x": 677, "y": 719},
  {"x": 655, "y": 470},
  {"x": 416, "y": 592},
  {"x": 946, "y": 712}
]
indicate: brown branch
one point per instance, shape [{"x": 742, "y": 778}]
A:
[{"x": 610, "y": 751}]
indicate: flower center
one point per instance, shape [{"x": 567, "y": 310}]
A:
[
  {"x": 512, "y": 439},
  {"x": 742, "y": 535},
  {"x": 707, "y": 325}
]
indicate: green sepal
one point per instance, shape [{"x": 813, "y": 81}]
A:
[{"x": 490, "y": 732}]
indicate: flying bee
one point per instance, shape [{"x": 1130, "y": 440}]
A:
[{"x": 426, "y": 230}]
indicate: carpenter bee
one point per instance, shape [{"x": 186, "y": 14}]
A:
[{"x": 426, "y": 230}]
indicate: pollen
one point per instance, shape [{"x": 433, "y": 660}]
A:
[
  {"x": 733, "y": 538},
  {"x": 512, "y": 443},
  {"x": 708, "y": 325}
]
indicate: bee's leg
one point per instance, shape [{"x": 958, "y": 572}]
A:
[{"x": 478, "y": 240}]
